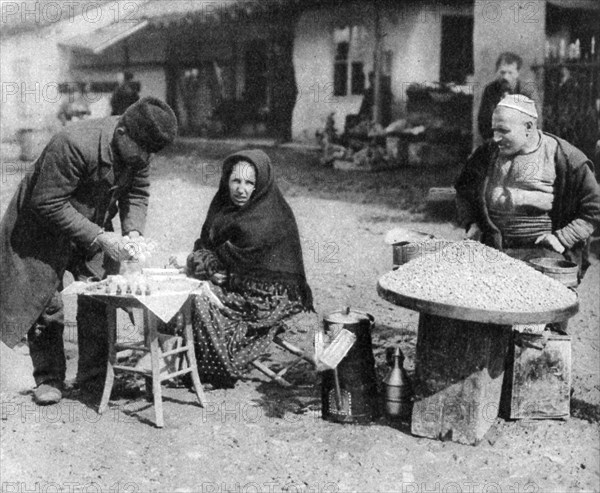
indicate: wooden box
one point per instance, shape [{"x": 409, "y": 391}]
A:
[
  {"x": 538, "y": 377},
  {"x": 457, "y": 397}
]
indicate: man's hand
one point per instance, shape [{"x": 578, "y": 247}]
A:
[
  {"x": 112, "y": 245},
  {"x": 551, "y": 241},
  {"x": 474, "y": 232},
  {"x": 137, "y": 247}
]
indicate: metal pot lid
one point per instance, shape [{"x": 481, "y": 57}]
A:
[
  {"x": 401, "y": 235},
  {"x": 346, "y": 316}
]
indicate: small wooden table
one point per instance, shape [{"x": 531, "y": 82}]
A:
[
  {"x": 151, "y": 345},
  {"x": 460, "y": 363}
]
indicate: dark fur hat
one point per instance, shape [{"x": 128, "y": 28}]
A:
[{"x": 151, "y": 123}]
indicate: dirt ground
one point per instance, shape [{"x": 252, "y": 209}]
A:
[{"x": 260, "y": 437}]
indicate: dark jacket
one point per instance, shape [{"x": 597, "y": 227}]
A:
[
  {"x": 492, "y": 94},
  {"x": 59, "y": 208},
  {"x": 576, "y": 195},
  {"x": 123, "y": 97}
]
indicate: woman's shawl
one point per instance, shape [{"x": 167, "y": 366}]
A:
[{"x": 259, "y": 240}]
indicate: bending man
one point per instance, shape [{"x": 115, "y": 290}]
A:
[{"x": 60, "y": 218}]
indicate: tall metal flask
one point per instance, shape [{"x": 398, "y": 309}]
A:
[
  {"x": 398, "y": 389},
  {"x": 349, "y": 393}
]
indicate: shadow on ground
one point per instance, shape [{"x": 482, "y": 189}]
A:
[
  {"x": 303, "y": 397},
  {"x": 586, "y": 411}
]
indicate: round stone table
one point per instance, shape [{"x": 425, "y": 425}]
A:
[{"x": 460, "y": 360}]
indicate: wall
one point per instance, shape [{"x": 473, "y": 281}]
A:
[
  {"x": 43, "y": 66},
  {"x": 33, "y": 65},
  {"x": 499, "y": 27},
  {"x": 30, "y": 72},
  {"x": 412, "y": 31},
  {"x": 146, "y": 55}
]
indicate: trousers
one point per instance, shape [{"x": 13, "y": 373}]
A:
[{"x": 45, "y": 337}]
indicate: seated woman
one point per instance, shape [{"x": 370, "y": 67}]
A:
[{"x": 250, "y": 248}]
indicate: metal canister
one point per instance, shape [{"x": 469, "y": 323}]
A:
[
  {"x": 405, "y": 244},
  {"x": 349, "y": 393}
]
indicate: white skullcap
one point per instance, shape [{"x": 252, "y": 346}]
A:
[{"x": 520, "y": 103}]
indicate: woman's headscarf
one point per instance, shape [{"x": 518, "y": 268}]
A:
[{"x": 259, "y": 239}]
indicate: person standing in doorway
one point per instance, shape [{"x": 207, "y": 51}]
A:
[{"x": 124, "y": 95}]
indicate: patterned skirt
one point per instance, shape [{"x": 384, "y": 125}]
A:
[{"x": 229, "y": 337}]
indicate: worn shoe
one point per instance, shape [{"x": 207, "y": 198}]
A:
[{"x": 47, "y": 393}]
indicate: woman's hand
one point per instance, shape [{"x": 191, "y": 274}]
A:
[{"x": 202, "y": 264}]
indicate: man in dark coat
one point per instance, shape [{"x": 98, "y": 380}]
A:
[
  {"x": 527, "y": 192},
  {"x": 507, "y": 81},
  {"x": 60, "y": 218},
  {"x": 124, "y": 95}
]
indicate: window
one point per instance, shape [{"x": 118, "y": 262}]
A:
[{"x": 348, "y": 70}]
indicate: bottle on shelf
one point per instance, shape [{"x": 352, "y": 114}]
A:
[{"x": 562, "y": 49}]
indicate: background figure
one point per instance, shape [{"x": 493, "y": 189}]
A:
[
  {"x": 284, "y": 91},
  {"x": 366, "y": 107},
  {"x": 507, "y": 81},
  {"x": 125, "y": 94},
  {"x": 76, "y": 107}
]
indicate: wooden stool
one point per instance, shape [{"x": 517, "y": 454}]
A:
[{"x": 150, "y": 345}]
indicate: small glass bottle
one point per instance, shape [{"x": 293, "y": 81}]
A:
[{"x": 398, "y": 390}]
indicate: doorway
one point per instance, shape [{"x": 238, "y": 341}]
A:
[{"x": 457, "y": 48}]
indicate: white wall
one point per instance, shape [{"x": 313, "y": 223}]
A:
[
  {"x": 30, "y": 73},
  {"x": 43, "y": 65},
  {"x": 412, "y": 31}
]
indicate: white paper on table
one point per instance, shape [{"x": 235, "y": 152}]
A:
[
  {"x": 164, "y": 305},
  {"x": 76, "y": 287}
]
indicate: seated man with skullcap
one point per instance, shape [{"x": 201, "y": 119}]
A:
[{"x": 527, "y": 192}]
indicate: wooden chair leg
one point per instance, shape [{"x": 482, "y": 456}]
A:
[
  {"x": 288, "y": 346},
  {"x": 270, "y": 373},
  {"x": 278, "y": 376},
  {"x": 151, "y": 333},
  {"x": 111, "y": 318},
  {"x": 191, "y": 360}
]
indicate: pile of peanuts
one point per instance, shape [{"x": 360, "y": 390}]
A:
[{"x": 472, "y": 275}]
